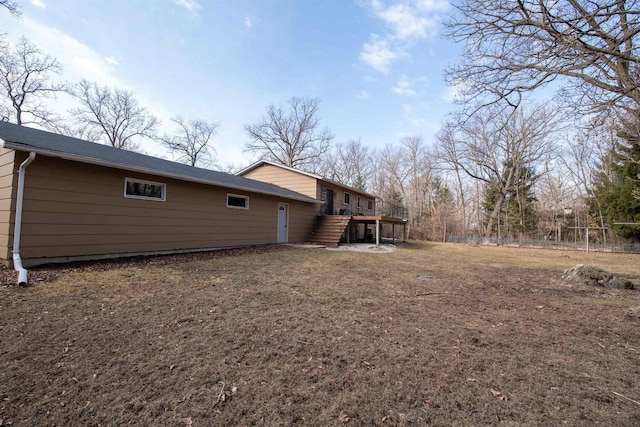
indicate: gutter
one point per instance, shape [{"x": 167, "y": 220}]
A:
[{"x": 17, "y": 260}]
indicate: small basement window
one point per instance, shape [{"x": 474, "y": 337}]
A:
[
  {"x": 347, "y": 198},
  {"x": 237, "y": 202},
  {"x": 147, "y": 190}
]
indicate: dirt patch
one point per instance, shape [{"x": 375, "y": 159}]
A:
[
  {"x": 364, "y": 247},
  {"x": 285, "y": 336}
]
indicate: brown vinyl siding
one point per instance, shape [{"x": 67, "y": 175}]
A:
[
  {"x": 284, "y": 178},
  {"x": 338, "y": 198},
  {"x": 8, "y": 182},
  {"x": 77, "y": 209}
]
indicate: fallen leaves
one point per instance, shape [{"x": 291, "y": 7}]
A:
[{"x": 501, "y": 397}]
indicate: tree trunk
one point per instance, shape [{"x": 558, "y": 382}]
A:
[{"x": 496, "y": 211}]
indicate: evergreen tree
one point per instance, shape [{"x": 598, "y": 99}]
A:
[
  {"x": 518, "y": 216},
  {"x": 619, "y": 192},
  {"x": 393, "y": 203}
]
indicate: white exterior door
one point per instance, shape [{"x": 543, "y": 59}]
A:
[{"x": 282, "y": 222}]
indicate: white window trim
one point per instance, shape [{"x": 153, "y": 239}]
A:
[
  {"x": 144, "y": 181},
  {"x": 344, "y": 197},
  {"x": 240, "y": 197}
]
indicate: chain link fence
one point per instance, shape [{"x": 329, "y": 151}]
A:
[{"x": 633, "y": 248}]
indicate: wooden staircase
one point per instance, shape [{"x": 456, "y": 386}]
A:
[{"x": 328, "y": 229}]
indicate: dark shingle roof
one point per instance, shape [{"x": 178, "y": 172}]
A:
[{"x": 50, "y": 144}]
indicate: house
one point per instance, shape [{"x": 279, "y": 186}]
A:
[
  {"x": 346, "y": 213},
  {"x": 64, "y": 199}
]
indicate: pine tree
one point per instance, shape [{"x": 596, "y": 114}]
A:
[
  {"x": 518, "y": 216},
  {"x": 619, "y": 193}
]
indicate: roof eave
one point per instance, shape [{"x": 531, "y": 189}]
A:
[
  {"x": 330, "y": 181},
  {"x": 99, "y": 162}
]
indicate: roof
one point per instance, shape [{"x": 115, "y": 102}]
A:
[
  {"x": 266, "y": 162},
  {"x": 49, "y": 144}
]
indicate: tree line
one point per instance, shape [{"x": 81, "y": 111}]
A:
[{"x": 503, "y": 165}]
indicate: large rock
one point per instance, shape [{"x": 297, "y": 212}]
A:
[{"x": 593, "y": 276}]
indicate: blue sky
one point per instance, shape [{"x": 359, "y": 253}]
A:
[{"x": 376, "y": 65}]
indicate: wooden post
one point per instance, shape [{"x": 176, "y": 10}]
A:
[
  {"x": 404, "y": 233},
  {"x": 393, "y": 232},
  {"x": 377, "y": 232}
]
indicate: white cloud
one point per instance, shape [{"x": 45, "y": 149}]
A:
[
  {"x": 403, "y": 88},
  {"x": 410, "y": 20},
  {"x": 188, "y": 4},
  {"x": 78, "y": 59},
  {"x": 432, "y": 5},
  {"x": 407, "y": 22},
  {"x": 378, "y": 54},
  {"x": 112, "y": 60},
  {"x": 38, "y": 3},
  {"x": 363, "y": 95},
  {"x": 248, "y": 22}
]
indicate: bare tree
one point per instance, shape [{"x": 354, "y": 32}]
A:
[
  {"x": 12, "y": 7},
  {"x": 514, "y": 47},
  {"x": 495, "y": 147},
  {"x": 192, "y": 141},
  {"x": 112, "y": 116},
  {"x": 291, "y": 135},
  {"x": 26, "y": 85},
  {"x": 447, "y": 154},
  {"x": 348, "y": 163}
]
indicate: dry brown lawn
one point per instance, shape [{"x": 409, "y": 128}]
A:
[{"x": 282, "y": 336}]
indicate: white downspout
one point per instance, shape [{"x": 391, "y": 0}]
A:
[{"x": 17, "y": 261}]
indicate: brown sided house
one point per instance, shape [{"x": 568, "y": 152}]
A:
[
  {"x": 346, "y": 213},
  {"x": 64, "y": 199}
]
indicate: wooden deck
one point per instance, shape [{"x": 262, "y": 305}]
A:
[
  {"x": 377, "y": 220},
  {"x": 371, "y": 219}
]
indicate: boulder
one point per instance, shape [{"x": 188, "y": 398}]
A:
[{"x": 593, "y": 276}]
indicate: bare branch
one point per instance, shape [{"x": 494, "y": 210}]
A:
[
  {"x": 515, "y": 47},
  {"x": 12, "y": 7},
  {"x": 112, "y": 116},
  {"x": 192, "y": 141},
  {"x": 25, "y": 83},
  {"x": 290, "y": 136}
]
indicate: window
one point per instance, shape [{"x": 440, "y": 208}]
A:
[
  {"x": 369, "y": 205},
  {"x": 347, "y": 198},
  {"x": 237, "y": 202},
  {"x": 358, "y": 201},
  {"x": 147, "y": 190}
]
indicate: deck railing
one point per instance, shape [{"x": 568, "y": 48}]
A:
[
  {"x": 391, "y": 210},
  {"x": 379, "y": 208}
]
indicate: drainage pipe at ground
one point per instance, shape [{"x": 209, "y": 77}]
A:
[{"x": 17, "y": 260}]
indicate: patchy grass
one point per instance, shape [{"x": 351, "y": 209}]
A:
[{"x": 284, "y": 336}]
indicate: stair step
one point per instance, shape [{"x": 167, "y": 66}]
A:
[{"x": 329, "y": 229}]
